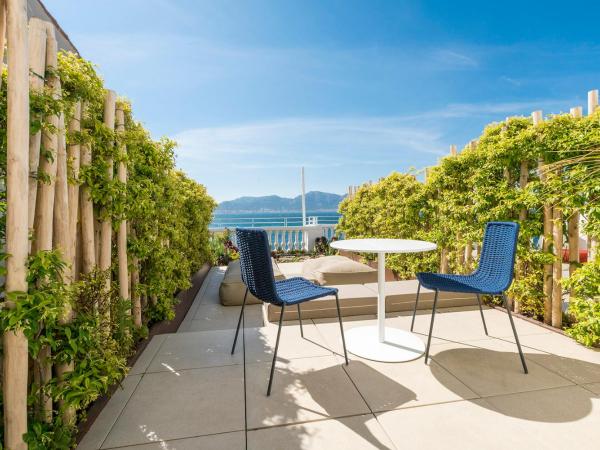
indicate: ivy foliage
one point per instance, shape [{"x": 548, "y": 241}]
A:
[
  {"x": 168, "y": 216},
  {"x": 481, "y": 184}
]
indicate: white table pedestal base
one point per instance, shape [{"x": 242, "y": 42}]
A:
[{"x": 399, "y": 345}]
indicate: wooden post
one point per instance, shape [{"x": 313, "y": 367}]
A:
[
  {"x": 44, "y": 210},
  {"x": 15, "y": 367},
  {"x": 48, "y": 164},
  {"x": 523, "y": 180},
  {"x": 2, "y": 35},
  {"x": 460, "y": 252},
  {"x": 592, "y": 101},
  {"x": 61, "y": 237},
  {"x": 573, "y": 221},
  {"x": 122, "y": 232},
  {"x": 88, "y": 247},
  {"x": 444, "y": 261},
  {"x": 593, "y": 244},
  {"x": 453, "y": 151},
  {"x": 74, "y": 156},
  {"x": 63, "y": 242},
  {"x": 547, "y": 238},
  {"x": 37, "y": 69},
  {"x": 135, "y": 281},
  {"x": 468, "y": 255},
  {"x": 558, "y": 247},
  {"x": 106, "y": 222}
]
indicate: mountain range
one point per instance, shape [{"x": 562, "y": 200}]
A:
[{"x": 315, "y": 201}]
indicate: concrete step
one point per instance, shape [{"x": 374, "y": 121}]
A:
[{"x": 361, "y": 299}]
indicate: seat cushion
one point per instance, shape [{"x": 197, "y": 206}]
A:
[
  {"x": 335, "y": 270},
  {"x": 474, "y": 283},
  {"x": 232, "y": 289},
  {"x": 297, "y": 290}
]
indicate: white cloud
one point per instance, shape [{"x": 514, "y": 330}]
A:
[
  {"x": 454, "y": 59},
  {"x": 294, "y": 141}
]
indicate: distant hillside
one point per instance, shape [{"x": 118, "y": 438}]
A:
[{"x": 315, "y": 201}]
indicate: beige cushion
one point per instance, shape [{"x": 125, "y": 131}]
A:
[
  {"x": 333, "y": 270},
  {"x": 232, "y": 289}
]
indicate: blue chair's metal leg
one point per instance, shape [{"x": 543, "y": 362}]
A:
[
  {"x": 237, "y": 330},
  {"x": 412, "y": 324},
  {"x": 337, "y": 304},
  {"x": 300, "y": 319},
  {"x": 275, "y": 352},
  {"x": 512, "y": 324},
  {"x": 482, "y": 318},
  {"x": 431, "y": 326}
]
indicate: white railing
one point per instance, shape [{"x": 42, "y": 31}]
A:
[
  {"x": 261, "y": 222},
  {"x": 287, "y": 239}
]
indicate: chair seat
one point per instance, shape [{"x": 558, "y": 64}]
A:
[
  {"x": 297, "y": 290},
  {"x": 474, "y": 283}
]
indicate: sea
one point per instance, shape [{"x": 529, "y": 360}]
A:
[{"x": 271, "y": 219}]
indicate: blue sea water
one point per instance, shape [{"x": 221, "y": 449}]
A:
[{"x": 272, "y": 219}]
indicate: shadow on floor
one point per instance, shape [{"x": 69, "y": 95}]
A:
[
  {"x": 330, "y": 388},
  {"x": 565, "y": 407}
]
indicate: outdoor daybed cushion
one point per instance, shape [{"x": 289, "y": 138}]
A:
[
  {"x": 232, "y": 289},
  {"x": 335, "y": 270}
]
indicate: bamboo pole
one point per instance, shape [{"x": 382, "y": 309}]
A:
[
  {"x": 88, "y": 247},
  {"x": 37, "y": 69},
  {"x": 573, "y": 222},
  {"x": 444, "y": 261},
  {"x": 122, "y": 232},
  {"x": 62, "y": 241},
  {"x": 468, "y": 255},
  {"x": 60, "y": 232},
  {"x": 74, "y": 156},
  {"x": 593, "y": 244},
  {"x": 44, "y": 211},
  {"x": 135, "y": 281},
  {"x": 48, "y": 164},
  {"x": 15, "y": 367},
  {"x": 96, "y": 235},
  {"x": 106, "y": 222},
  {"x": 523, "y": 180},
  {"x": 2, "y": 36},
  {"x": 547, "y": 238},
  {"x": 557, "y": 269}
]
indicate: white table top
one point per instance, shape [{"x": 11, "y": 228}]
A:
[{"x": 384, "y": 245}]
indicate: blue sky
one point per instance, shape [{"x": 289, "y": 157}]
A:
[{"x": 352, "y": 90}]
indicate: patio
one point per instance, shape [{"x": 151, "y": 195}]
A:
[{"x": 186, "y": 390}]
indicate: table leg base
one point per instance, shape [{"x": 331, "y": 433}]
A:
[{"x": 399, "y": 345}]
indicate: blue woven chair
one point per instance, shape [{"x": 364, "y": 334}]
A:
[
  {"x": 257, "y": 275},
  {"x": 493, "y": 276}
]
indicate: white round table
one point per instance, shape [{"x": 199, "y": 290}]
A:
[{"x": 379, "y": 343}]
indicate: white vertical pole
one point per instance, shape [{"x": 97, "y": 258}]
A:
[
  {"x": 381, "y": 295},
  {"x": 303, "y": 197}
]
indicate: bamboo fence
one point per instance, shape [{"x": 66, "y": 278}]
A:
[{"x": 44, "y": 199}]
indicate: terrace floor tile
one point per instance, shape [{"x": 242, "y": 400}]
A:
[
  {"x": 222, "y": 441},
  {"x": 351, "y": 433},
  {"x": 213, "y": 348},
  {"x": 181, "y": 404},
  {"x": 303, "y": 390},
  {"x": 493, "y": 367},
  {"x": 549, "y": 419},
  {"x": 387, "y": 386},
  {"x": 216, "y": 317},
  {"x": 467, "y": 325}
]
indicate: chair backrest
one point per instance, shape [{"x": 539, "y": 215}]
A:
[
  {"x": 255, "y": 264},
  {"x": 498, "y": 253}
]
